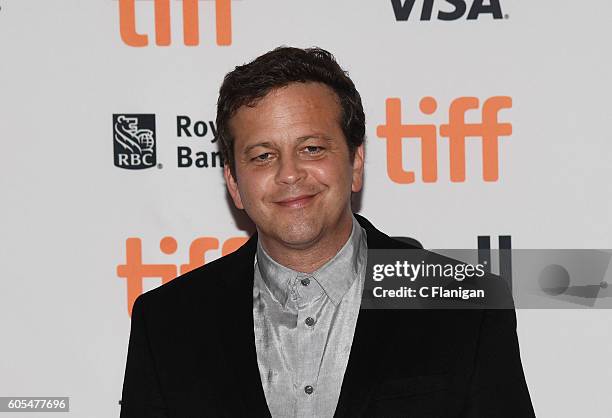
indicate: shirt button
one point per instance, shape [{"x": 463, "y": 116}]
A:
[
  {"x": 305, "y": 281},
  {"x": 308, "y": 389},
  {"x": 310, "y": 322}
]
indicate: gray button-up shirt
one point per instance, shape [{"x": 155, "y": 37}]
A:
[{"x": 304, "y": 327}]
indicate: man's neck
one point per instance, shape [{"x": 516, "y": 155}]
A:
[{"x": 314, "y": 255}]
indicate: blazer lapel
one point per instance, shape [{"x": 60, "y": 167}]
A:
[
  {"x": 374, "y": 331},
  {"x": 238, "y": 335}
]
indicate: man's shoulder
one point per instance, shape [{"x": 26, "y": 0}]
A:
[
  {"x": 205, "y": 282},
  {"x": 379, "y": 240}
]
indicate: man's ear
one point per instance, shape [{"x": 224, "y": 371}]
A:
[
  {"x": 232, "y": 186},
  {"x": 358, "y": 161}
]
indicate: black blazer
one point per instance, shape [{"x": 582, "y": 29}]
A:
[{"x": 192, "y": 353}]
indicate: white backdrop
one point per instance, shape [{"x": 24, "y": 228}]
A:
[{"x": 67, "y": 211}]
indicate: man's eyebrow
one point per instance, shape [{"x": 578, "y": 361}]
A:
[
  {"x": 299, "y": 140},
  {"x": 258, "y": 144},
  {"x": 314, "y": 136}
]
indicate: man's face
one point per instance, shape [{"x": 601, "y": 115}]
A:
[{"x": 294, "y": 176}]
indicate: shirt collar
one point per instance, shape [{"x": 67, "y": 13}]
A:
[{"x": 335, "y": 277}]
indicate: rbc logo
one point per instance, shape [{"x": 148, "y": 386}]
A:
[
  {"x": 134, "y": 141},
  {"x": 403, "y": 10},
  {"x": 456, "y": 130},
  {"x": 191, "y": 24}
]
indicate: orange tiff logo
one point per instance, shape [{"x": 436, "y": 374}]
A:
[
  {"x": 456, "y": 130},
  {"x": 191, "y": 24},
  {"x": 134, "y": 271}
]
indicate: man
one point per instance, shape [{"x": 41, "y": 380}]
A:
[{"x": 275, "y": 329}]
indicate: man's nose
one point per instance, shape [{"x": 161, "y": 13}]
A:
[{"x": 290, "y": 170}]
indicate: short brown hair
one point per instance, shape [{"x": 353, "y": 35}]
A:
[{"x": 248, "y": 83}]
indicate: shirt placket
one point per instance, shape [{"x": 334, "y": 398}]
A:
[{"x": 305, "y": 290}]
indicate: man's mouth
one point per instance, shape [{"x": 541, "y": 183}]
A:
[{"x": 297, "y": 201}]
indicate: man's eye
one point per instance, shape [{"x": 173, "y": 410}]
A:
[
  {"x": 262, "y": 157},
  {"x": 313, "y": 149}
]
